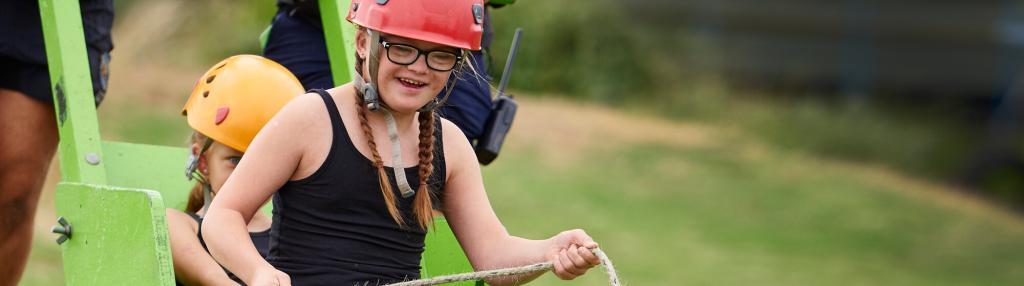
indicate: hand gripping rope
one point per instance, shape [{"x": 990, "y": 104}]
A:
[{"x": 613, "y": 278}]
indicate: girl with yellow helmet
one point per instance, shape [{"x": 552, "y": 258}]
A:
[
  {"x": 356, "y": 171},
  {"x": 227, "y": 107}
]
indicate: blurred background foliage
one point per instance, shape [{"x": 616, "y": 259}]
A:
[{"x": 921, "y": 87}]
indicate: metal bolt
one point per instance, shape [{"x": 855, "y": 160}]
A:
[
  {"x": 478, "y": 13},
  {"x": 92, "y": 159},
  {"x": 64, "y": 229}
]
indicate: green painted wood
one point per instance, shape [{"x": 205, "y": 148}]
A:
[
  {"x": 72, "y": 92},
  {"x": 339, "y": 35},
  {"x": 150, "y": 167},
  {"x": 443, "y": 255},
  {"x": 119, "y": 236}
]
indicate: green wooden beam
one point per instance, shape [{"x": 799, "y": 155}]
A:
[
  {"x": 118, "y": 236},
  {"x": 339, "y": 35},
  {"x": 71, "y": 82},
  {"x": 150, "y": 167},
  {"x": 443, "y": 255}
]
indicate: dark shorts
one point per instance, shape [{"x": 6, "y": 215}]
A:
[
  {"x": 300, "y": 47},
  {"x": 34, "y": 79},
  {"x": 23, "y": 60}
]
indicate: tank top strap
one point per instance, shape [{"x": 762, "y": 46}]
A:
[
  {"x": 332, "y": 110},
  {"x": 339, "y": 138},
  {"x": 195, "y": 217}
]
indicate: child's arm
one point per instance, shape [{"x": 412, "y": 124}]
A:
[
  {"x": 272, "y": 159},
  {"x": 482, "y": 236},
  {"x": 192, "y": 265}
]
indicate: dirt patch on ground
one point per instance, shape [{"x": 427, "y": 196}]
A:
[
  {"x": 940, "y": 194},
  {"x": 565, "y": 131}
]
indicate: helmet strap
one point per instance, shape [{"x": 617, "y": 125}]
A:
[
  {"x": 191, "y": 172},
  {"x": 434, "y": 103},
  {"x": 371, "y": 97},
  {"x": 392, "y": 126},
  {"x": 193, "y": 162},
  {"x": 396, "y": 155}
]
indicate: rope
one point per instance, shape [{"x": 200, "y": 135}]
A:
[{"x": 613, "y": 278}]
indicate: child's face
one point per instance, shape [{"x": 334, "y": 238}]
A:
[
  {"x": 406, "y": 88},
  {"x": 220, "y": 162}
]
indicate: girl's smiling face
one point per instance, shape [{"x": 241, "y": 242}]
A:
[{"x": 406, "y": 88}]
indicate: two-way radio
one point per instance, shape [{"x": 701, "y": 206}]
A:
[{"x": 502, "y": 113}]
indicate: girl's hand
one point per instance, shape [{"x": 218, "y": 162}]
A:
[
  {"x": 270, "y": 277},
  {"x": 570, "y": 253}
]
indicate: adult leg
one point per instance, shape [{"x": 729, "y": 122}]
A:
[{"x": 28, "y": 140}]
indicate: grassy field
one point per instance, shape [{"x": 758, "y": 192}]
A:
[{"x": 675, "y": 203}]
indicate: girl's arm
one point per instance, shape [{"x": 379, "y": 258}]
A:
[
  {"x": 274, "y": 157},
  {"x": 482, "y": 236},
  {"x": 192, "y": 264}
]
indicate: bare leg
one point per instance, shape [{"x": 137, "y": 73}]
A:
[{"x": 28, "y": 140}]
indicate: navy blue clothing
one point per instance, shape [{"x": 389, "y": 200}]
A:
[
  {"x": 299, "y": 45},
  {"x": 333, "y": 228},
  {"x": 260, "y": 239},
  {"x": 301, "y": 48},
  {"x": 23, "y": 53}
]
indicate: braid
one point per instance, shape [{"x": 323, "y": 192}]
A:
[
  {"x": 423, "y": 201},
  {"x": 382, "y": 176},
  {"x": 195, "y": 198}
]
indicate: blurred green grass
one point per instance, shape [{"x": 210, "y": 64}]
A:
[{"x": 670, "y": 215}]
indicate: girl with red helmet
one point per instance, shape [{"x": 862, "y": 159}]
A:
[{"x": 356, "y": 172}]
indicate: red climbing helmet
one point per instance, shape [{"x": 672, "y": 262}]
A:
[{"x": 456, "y": 23}]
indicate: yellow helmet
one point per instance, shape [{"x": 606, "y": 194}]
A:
[{"x": 235, "y": 98}]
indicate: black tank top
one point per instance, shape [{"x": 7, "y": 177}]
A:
[
  {"x": 333, "y": 228},
  {"x": 260, "y": 239}
]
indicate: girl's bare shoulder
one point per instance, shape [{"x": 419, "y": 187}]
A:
[{"x": 304, "y": 114}]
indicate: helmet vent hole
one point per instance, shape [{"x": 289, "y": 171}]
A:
[
  {"x": 206, "y": 93},
  {"x": 220, "y": 66},
  {"x": 210, "y": 79}
]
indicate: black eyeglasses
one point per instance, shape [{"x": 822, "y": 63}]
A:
[{"x": 406, "y": 55}]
